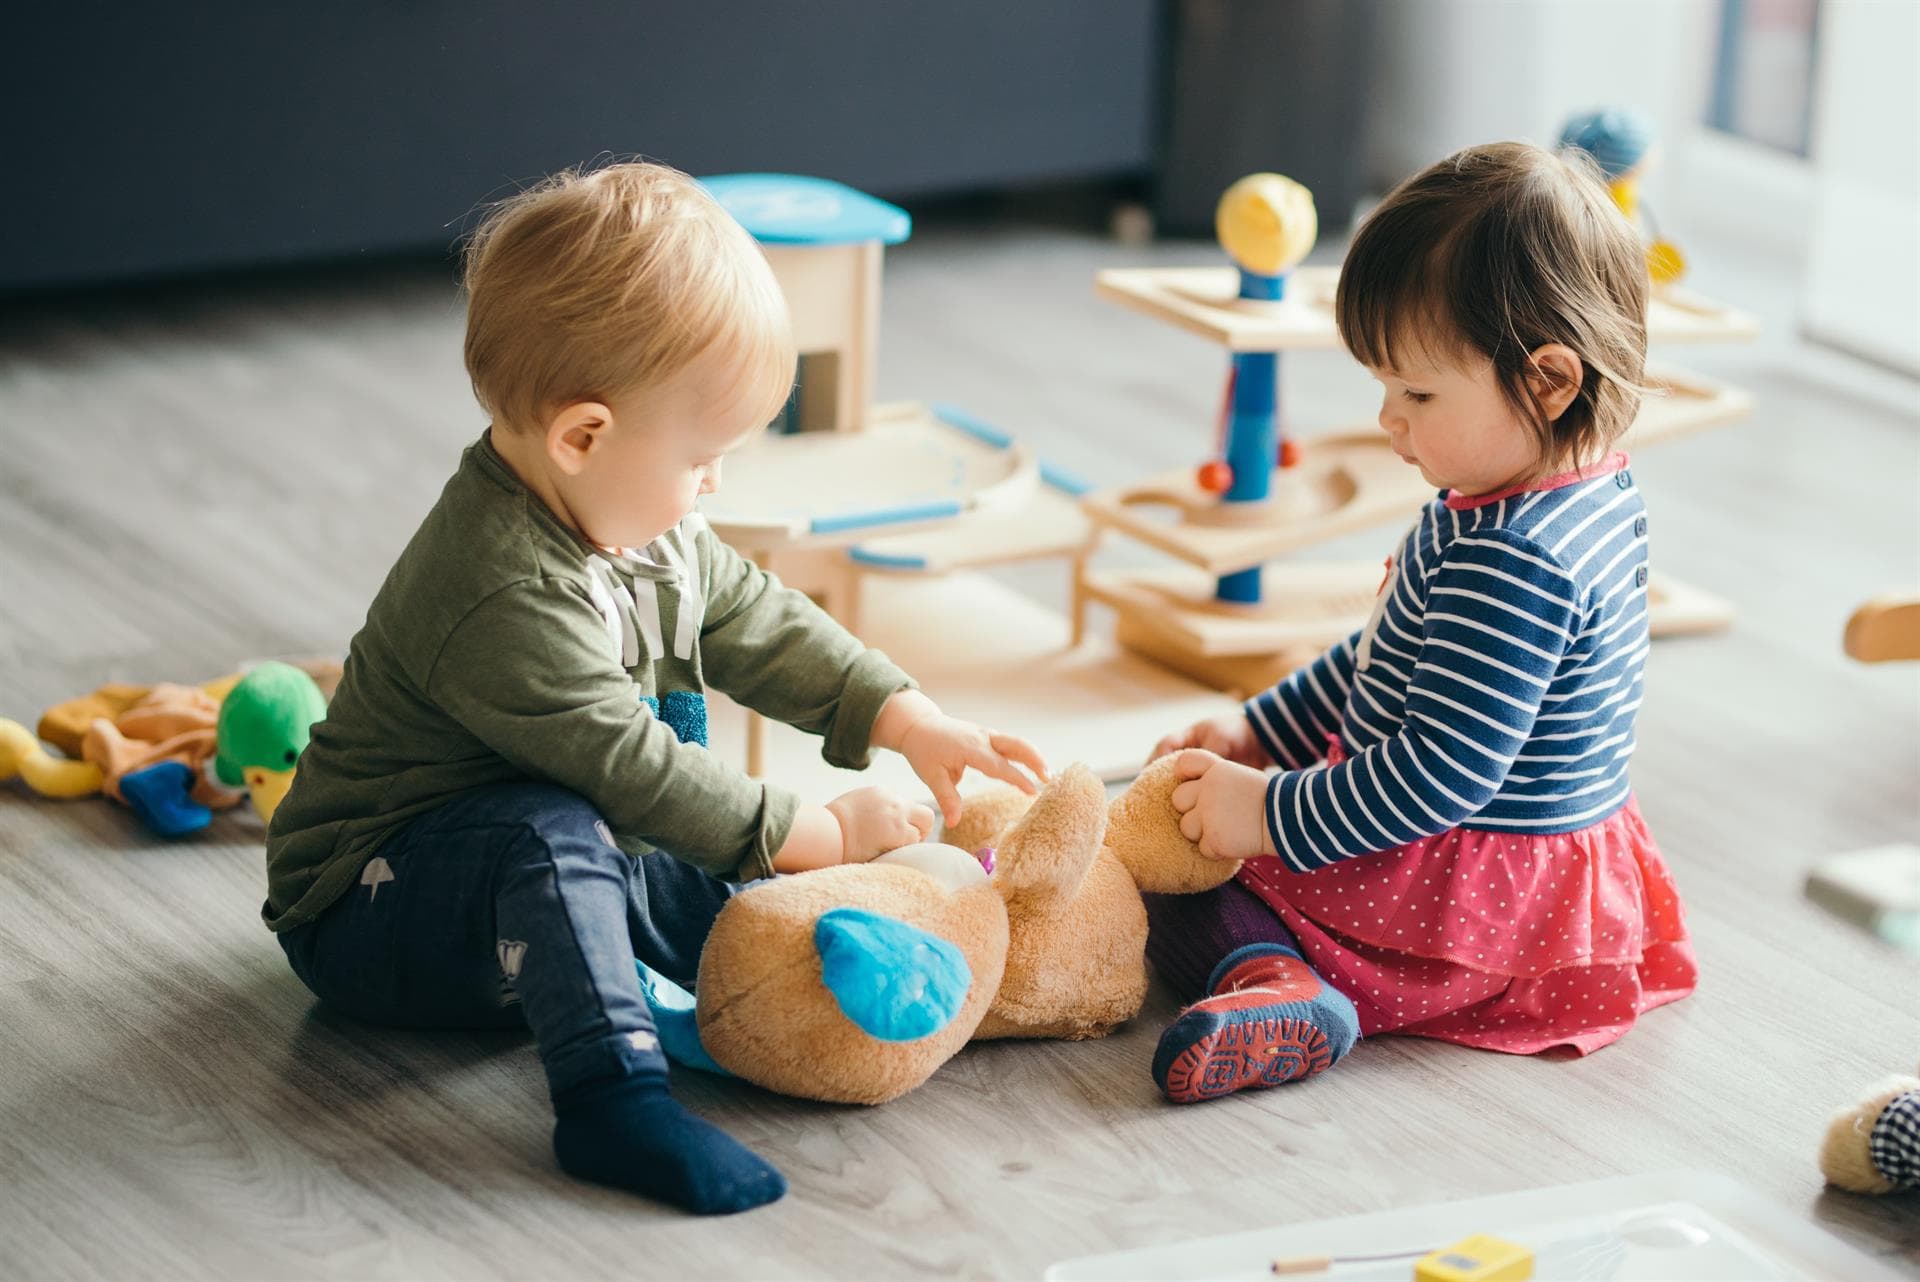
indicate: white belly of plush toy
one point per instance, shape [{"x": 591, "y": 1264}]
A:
[{"x": 951, "y": 866}]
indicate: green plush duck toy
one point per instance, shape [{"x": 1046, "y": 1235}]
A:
[{"x": 265, "y": 722}]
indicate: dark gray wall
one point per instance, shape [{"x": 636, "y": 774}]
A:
[
  {"x": 150, "y": 139},
  {"x": 1255, "y": 85}
]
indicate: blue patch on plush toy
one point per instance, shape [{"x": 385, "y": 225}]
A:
[
  {"x": 674, "y": 1022},
  {"x": 896, "y": 981},
  {"x": 162, "y": 796},
  {"x": 685, "y": 714}
]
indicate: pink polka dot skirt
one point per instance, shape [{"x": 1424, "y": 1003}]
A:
[{"x": 1505, "y": 941}]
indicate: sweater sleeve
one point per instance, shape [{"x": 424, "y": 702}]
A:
[
  {"x": 1500, "y": 614},
  {"x": 1294, "y": 719},
  {"x": 527, "y": 672},
  {"x": 772, "y": 649}
]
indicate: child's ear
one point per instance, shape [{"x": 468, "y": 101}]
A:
[
  {"x": 573, "y": 432},
  {"x": 1555, "y": 378}
]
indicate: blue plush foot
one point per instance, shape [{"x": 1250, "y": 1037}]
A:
[
  {"x": 1270, "y": 1019},
  {"x": 674, "y": 1021},
  {"x": 162, "y": 796},
  {"x": 632, "y": 1134}
]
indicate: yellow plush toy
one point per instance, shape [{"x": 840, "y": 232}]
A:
[{"x": 854, "y": 984}]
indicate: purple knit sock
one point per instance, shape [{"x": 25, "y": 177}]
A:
[{"x": 1187, "y": 935}]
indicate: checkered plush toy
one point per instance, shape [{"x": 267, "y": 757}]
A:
[{"x": 1874, "y": 1146}]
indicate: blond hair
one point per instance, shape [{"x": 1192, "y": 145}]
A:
[
  {"x": 594, "y": 285},
  {"x": 1495, "y": 251}
]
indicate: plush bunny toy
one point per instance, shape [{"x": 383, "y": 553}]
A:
[{"x": 856, "y": 983}]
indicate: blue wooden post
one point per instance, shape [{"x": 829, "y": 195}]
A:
[{"x": 1253, "y": 431}]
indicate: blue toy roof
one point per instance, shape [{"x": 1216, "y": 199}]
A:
[{"x": 790, "y": 209}]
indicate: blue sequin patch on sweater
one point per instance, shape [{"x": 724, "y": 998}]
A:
[{"x": 684, "y": 711}]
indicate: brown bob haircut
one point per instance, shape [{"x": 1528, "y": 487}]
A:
[{"x": 1492, "y": 253}]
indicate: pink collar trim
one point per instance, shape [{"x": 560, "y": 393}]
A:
[{"x": 1612, "y": 463}]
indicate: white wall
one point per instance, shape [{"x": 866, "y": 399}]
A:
[
  {"x": 1456, "y": 72},
  {"x": 1845, "y": 223},
  {"x": 1863, "y": 271}
]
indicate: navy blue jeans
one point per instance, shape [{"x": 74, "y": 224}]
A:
[{"x": 509, "y": 905}]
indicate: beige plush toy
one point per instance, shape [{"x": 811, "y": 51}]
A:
[
  {"x": 854, "y": 984},
  {"x": 1874, "y": 1146}
]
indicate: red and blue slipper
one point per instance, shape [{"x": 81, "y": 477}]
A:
[{"x": 1270, "y": 1020}]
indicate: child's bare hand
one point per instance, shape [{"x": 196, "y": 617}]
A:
[
  {"x": 874, "y": 821},
  {"x": 1230, "y": 736},
  {"x": 1222, "y": 805},
  {"x": 940, "y": 748}
]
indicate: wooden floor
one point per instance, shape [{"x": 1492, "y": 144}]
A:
[{"x": 194, "y": 476}]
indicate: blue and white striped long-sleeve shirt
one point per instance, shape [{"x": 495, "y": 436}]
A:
[{"x": 1494, "y": 689}]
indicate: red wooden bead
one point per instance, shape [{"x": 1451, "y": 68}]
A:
[
  {"x": 1215, "y": 477},
  {"x": 1289, "y": 453}
]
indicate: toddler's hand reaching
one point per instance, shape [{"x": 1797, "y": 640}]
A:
[
  {"x": 1230, "y": 736},
  {"x": 1222, "y": 805},
  {"x": 940, "y": 748},
  {"x": 874, "y": 821}
]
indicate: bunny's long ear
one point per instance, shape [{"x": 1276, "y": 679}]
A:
[
  {"x": 1047, "y": 854},
  {"x": 1143, "y": 830},
  {"x": 985, "y": 816}
]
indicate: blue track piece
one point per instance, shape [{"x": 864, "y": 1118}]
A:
[
  {"x": 903, "y": 515},
  {"x": 1065, "y": 482},
  {"x": 977, "y": 428},
  {"x": 886, "y": 560}
]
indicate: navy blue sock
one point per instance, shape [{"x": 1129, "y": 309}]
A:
[{"x": 630, "y": 1133}]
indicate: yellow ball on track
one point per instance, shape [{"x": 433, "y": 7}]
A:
[{"x": 1266, "y": 223}]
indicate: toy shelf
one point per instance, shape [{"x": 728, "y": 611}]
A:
[
  {"x": 1677, "y": 609},
  {"x": 1170, "y": 614},
  {"x": 1320, "y": 606},
  {"x": 909, "y": 467},
  {"x": 1348, "y": 480},
  {"x": 1048, "y": 525},
  {"x": 1203, "y": 301},
  {"x": 1680, "y": 402}
]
